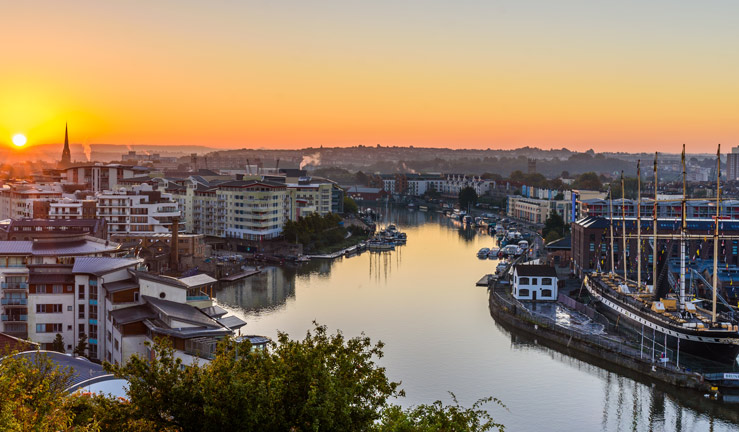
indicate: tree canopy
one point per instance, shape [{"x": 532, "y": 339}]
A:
[
  {"x": 554, "y": 227},
  {"x": 588, "y": 181},
  {"x": 325, "y": 382},
  {"x": 467, "y": 198}
]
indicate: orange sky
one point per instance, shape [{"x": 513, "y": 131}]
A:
[{"x": 477, "y": 74}]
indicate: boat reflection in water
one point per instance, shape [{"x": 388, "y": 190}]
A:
[{"x": 630, "y": 400}]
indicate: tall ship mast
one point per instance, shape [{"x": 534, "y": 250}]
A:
[{"x": 680, "y": 320}]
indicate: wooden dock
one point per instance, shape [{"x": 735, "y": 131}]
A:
[{"x": 241, "y": 275}]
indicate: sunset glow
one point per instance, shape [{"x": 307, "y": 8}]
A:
[{"x": 625, "y": 75}]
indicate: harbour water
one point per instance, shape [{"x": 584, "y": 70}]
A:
[{"x": 422, "y": 302}]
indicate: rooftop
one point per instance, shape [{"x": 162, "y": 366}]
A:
[
  {"x": 99, "y": 266},
  {"x": 535, "y": 270}
]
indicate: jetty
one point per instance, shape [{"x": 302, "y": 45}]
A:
[{"x": 241, "y": 275}]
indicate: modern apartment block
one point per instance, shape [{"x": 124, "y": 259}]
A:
[
  {"x": 50, "y": 259},
  {"x": 17, "y": 200},
  {"x": 108, "y": 300},
  {"x": 243, "y": 209},
  {"x": 138, "y": 211},
  {"x": 307, "y": 196},
  {"x": 98, "y": 178}
]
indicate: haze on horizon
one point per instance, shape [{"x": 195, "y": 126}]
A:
[{"x": 623, "y": 76}]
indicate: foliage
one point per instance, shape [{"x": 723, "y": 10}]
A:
[
  {"x": 587, "y": 181},
  {"x": 58, "y": 344},
  {"x": 554, "y": 227},
  {"x": 631, "y": 185},
  {"x": 315, "y": 231},
  {"x": 324, "y": 382},
  {"x": 34, "y": 394},
  {"x": 437, "y": 417},
  {"x": 81, "y": 346},
  {"x": 467, "y": 198},
  {"x": 350, "y": 206}
]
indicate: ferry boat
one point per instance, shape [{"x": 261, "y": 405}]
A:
[{"x": 684, "y": 325}]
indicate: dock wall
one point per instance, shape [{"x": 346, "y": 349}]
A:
[{"x": 505, "y": 309}]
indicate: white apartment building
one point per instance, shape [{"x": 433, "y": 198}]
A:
[
  {"x": 250, "y": 209},
  {"x": 99, "y": 177},
  {"x": 306, "y": 197},
  {"x": 138, "y": 211},
  {"x": 535, "y": 210},
  {"x": 16, "y": 201},
  {"x": 24, "y": 315},
  {"x": 454, "y": 183}
]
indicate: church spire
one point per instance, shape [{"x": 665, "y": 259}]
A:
[{"x": 66, "y": 154}]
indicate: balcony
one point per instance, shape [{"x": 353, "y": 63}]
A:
[
  {"x": 14, "y": 285},
  {"x": 14, "y": 302},
  {"x": 14, "y": 318}
]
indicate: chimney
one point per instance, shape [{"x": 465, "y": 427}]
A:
[{"x": 174, "y": 259}]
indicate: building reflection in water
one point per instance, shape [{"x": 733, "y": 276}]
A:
[{"x": 267, "y": 290}]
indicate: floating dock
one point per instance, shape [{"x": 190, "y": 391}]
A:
[{"x": 241, "y": 275}]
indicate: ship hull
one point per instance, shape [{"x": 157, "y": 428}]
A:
[{"x": 719, "y": 346}]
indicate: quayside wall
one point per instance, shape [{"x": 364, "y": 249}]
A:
[{"x": 504, "y": 308}]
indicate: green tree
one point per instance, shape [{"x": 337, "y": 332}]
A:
[
  {"x": 323, "y": 382},
  {"x": 350, "y": 206},
  {"x": 467, "y": 198},
  {"x": 81, "y": 348},
  {"x": 439, "y": 417},
  {"x": 58, "y": 344},
  {"x": 33, "y": 393},
  {"x": 554, "y": 227},
  {"x": 588, "y": 181}
]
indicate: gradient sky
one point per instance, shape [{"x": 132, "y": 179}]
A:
[{"x": 612, "y": 76}]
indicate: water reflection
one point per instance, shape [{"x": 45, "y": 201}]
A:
[
  {"x": 420, "y": 300},
  {"x": 626, "y": 395},
  {"x": 268, "y": 290}
]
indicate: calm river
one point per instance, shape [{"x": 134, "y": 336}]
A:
[{"x": 421, "y": 300}]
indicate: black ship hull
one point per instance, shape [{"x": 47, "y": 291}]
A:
[{"x": 718, "y": 346}]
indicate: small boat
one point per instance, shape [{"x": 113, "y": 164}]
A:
[
  {"x": 483, "y": 253},
  {"x": 423, "y": 208},
  {"x": 493, "y": 254}
]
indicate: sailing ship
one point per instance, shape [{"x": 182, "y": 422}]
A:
[{"x": 678, "y": 317}]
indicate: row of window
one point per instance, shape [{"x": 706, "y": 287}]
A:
[
  {"x": 533, "y": 281},
  {"x": 525, "y": 293},
  {"x": 49, "y": 308}
]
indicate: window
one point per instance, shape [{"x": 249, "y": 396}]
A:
[
  {"x": 81, "y": 330},
  {"x": 49, "y": 328},
  {"x": 57, "y": 289},
  {"x": 93, "y": 312},
  {"x": 523, "y": 281},
  {"x": 48, "y": 308},
  {"x": 534, "y": 281},
  {"x": 546, "y": 293},
  {"x": 81, "y": 311},
  {"x": 81, "y": 292},
  {"x": 115, "y": 344},
  {"x": 546, "y": 281},
  {"x": 523, "y": 293}
]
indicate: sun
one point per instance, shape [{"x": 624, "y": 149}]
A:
[{"x": 19, "y": 140}]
